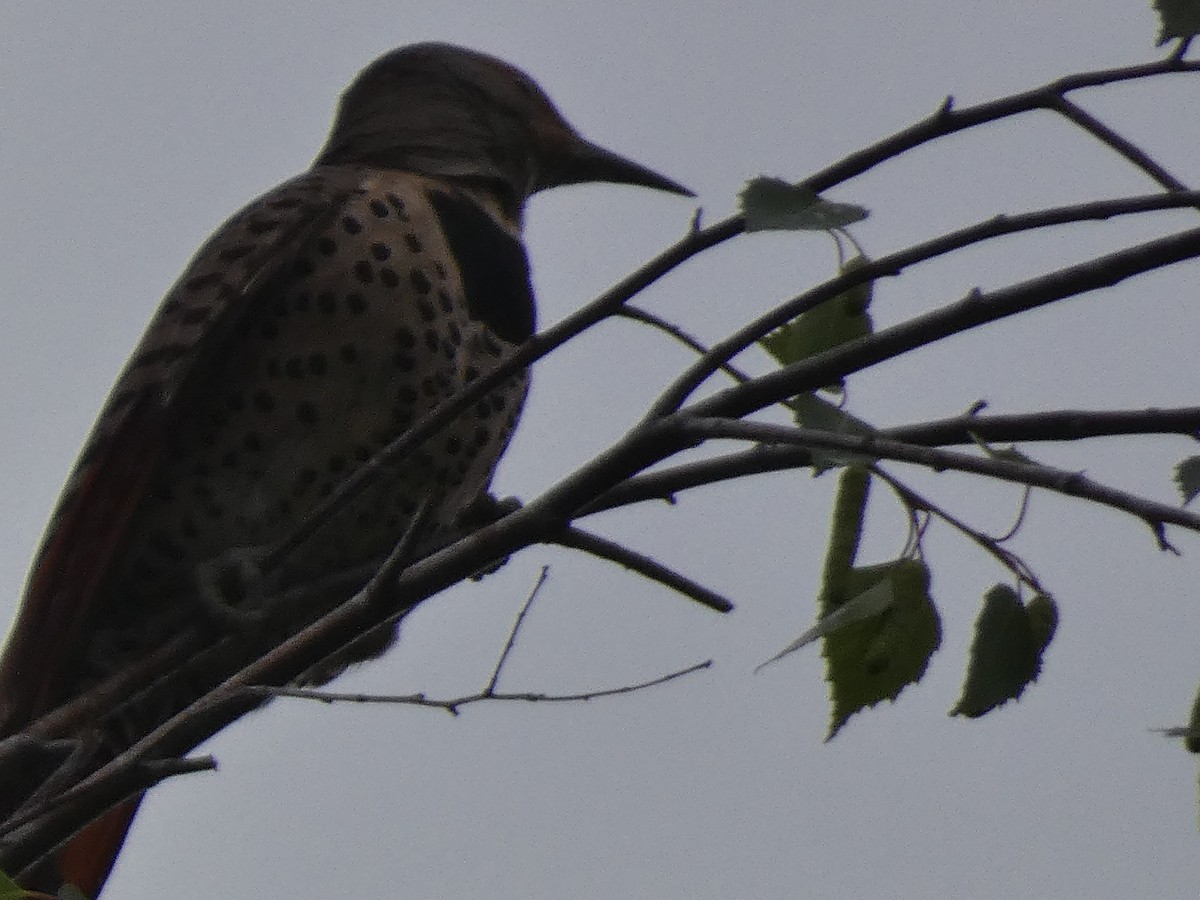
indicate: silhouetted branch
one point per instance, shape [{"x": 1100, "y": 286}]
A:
[
  {"x": 977, "y": 308},
  {"x": 511, "y": 640},
  {"x": 990, "y": 545},
  {"x": 1122, "y": 145},
  {"x": 1100, "y": 272},
  {"x": 1072, "y": 484},
  {"x": 1052, "y": 425},
  {"x": 454, "y": 704},
  {"x": 578, "y": 539}
]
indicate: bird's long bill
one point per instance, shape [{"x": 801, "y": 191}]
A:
[{"x": 585, "y": 161}]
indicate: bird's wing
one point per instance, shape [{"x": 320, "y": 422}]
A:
[{"x": 203, "y": 309}]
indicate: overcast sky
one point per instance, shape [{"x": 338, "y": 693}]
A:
[{"x": 132, "y": 130}]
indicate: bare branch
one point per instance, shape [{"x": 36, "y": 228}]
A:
[
  {"x": 1055, "y": 425},
  {"x": 1072, "y": 484},
  {"x": 1117, "y": 142},
  {"x": 1175, "y": 250},
  {"x": 638, "y": 314},
  {"x": 987, "y": 543},
  {"x": 973, "y": 310},
  {"x": 85, "y": 801},
  {"x": 512, "y": 633},
  {"x": 1052, "y": 425},
  {"x": 578, "y": 539},
  {"x": 949, "y": 120},
  {"x": 455, "y": 704}
]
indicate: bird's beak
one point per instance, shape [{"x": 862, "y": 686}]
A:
[{"x": 580, "y": 161}]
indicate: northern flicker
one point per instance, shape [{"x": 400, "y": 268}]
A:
[{"x": 308, "y": 332}]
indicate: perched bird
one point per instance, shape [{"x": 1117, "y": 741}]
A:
[{"x": 308, "y": 332}]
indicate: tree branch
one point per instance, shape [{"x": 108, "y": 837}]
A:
[
  {"x": 1122, "y": 145},
  {"x": 1052, "y": 425},
  {"x": 894, "y": 263},
  {"x": 454, "y": 704},
  {"x": 578, "y": 539},
  {"x": 1072, "y": 484},
  {"x": 975, "y": 309}
]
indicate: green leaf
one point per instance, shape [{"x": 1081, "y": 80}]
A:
[
  {"x": 845, "y": 528},
  {"x": 1187, "y": 476},
  {"x": 812, "y": 411},
  {"x": 772, "y": 204},
  {"x": 1008, "y": 454},
  {"x": 1190, "y": 732},
  {"x": 1177, "y": 19},
  {"x": 849, "y": 509},
  {"x": 876, "y": 658},
  {"x": 1006, "y": 653},
  {"x": 1192, "y": 739},
  {"x": 839, "y": 319},
  {"x": 877, "y": 624},
  {"x": 9, "y": 889},
  {"x": 870, "y": 603},
  {"x": 881, "y": 625}
]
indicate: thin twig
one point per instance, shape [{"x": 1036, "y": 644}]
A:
[
  {"x": 1122, "y": 145},
  {"x": 454, "y": 705},
  {"x": 1019, "y": 520},
  {"x": 512, "y": 633},
  {"x": 1055, "y": 425},
  {"x": 894, "y": 263},
  {"x": 163, "y": 769},
  {"x": 976, "y": 308},
  {"x": 578, "y": 539},
  {"x": 400, "y": 556},
  {"x": 988, "y": 544},
  {"x": 638, "y": 314},
  {"x": 948, "y": 120},
  {"x": 1072, "y": 484}
]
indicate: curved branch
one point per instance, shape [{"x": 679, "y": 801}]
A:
[
  {"x": 1061, "y": 481},
  {"x": 894, "y": 263},
  {"x": 1056, "y": 425},
  {"x": 1122, "y": 145},
  {"x": 1052, "y": 425},
  {"x": 594, "y": 544},
  {"x": 973, "y": 310},
  {"x": 987, "y": 543},
  {"x": 637, "y": 314},
  {"x": 454, "y": 704},
  {"x": 947, "y": 120}
]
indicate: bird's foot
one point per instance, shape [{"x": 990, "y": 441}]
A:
[
  {"x": 486, "y": 509},
  {"x": 481, "y": 512}
]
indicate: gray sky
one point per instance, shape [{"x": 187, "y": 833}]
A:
[{"x": 132, "y": 130}]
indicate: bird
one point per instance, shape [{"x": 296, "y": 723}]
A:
[{"x": 309, "y": 331}]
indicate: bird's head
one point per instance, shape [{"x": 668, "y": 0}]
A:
[{"x": 446, "y": 111}]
